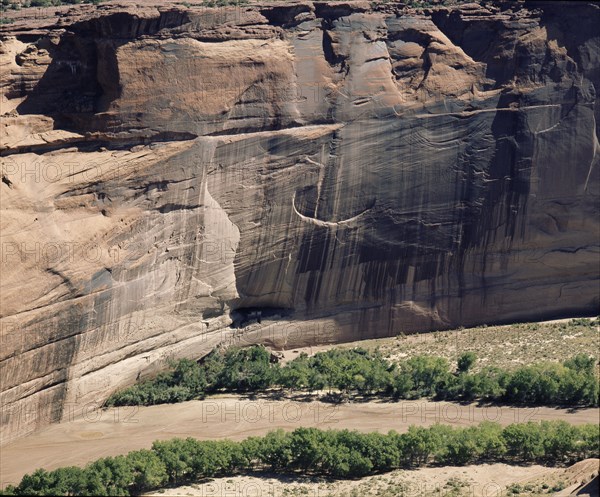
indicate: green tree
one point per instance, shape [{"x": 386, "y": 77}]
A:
[
  {"x": 176, "y": 456},
  {"x": 307, "y": 446},
  {"x": 429, "y": 374},
  {"x": 588, "y": 443},
  {"x": 212, "y": 457},
  {"x": 417, "y": 446},
  {"x": 538, "y": 384},
  {"x": 213, "y": 365},
  {"x": 491, "y": 444},
  {"x": 316, "y": 381},
  {"x": 402, "y": 384},
  {"x": 247, "y": 369},
  {"x": 149, "y": 472},
  {"x": 343, "y": 461},
  {"x": 69, "y": 481},
  {"x": 191, "y": 375},
  {"x": 466, "y": 361},
  {"x": 463, "y": 449},
  {"x": 491, "y": 383},
  {"x": 560, "y": 441},
  {"x": 250, "y": 452},
  {"x": 110, "y": 476},
  {"x": 275, "y": 450},
  {"x": 581, "y": 363},
  {"x": 375, "y": 447},
  {"x": 296, "y": 374},
  {"x": 40, "y": 482},
  {"x": 378, "y": 375},
  {"x": 525, "y": 442}
]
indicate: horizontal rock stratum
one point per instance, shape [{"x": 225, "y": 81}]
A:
[{"x": 285, "y": 173}]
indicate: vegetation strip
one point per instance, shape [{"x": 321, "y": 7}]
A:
[
  {"x": 338, "y": 454},
  {"x": 359, "y": 372}
]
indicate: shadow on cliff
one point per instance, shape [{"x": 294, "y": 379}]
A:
[
  {"x": 82, "y": 79},
  {"x": 496, "y": 198},
  {"x": 70, "y": 91}
]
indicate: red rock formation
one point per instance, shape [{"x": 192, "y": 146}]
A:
[{"x": 332, "y": 170}]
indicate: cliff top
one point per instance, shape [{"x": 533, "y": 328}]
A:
[{"x": 40, "y": 18}]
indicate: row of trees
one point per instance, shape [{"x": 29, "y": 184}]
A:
[
  {"x": 185, "y": 381},
  {"x": 340, "y": 454},
  {"x": 357, "y": 371}
]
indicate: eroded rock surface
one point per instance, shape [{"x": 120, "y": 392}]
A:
[{"x": 307, "y": 172}]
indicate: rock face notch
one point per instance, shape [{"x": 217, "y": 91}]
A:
[{"x": 287, "y": 174}]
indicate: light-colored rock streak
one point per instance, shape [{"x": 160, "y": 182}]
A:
[
  {"x": 468, "y": 113},
  {"x": 329, "y": 224},
  {"x": 594, "y": 156}
]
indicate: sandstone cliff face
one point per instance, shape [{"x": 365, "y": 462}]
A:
[{"x": 287, "y": 174}]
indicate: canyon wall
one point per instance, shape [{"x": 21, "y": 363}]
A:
[{"x": 289, "y": 174}]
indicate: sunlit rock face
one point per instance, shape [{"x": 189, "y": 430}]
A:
[{"x": 286, "y": 174}]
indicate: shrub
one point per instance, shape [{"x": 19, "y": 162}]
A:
[
  {"x": 466, "y": 361},
  {"x": 581, "y": 363}
]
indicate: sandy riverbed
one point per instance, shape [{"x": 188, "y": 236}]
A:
[{"x": 120, "y": 430}]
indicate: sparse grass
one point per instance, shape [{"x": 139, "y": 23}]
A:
[
  {"x": 503, "y": 346},
  {"x": 534, "y": 489},
  {"x": 421, "y": 483}
]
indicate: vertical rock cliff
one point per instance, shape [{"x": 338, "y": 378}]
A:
[{"x": 287, "y": 174}]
